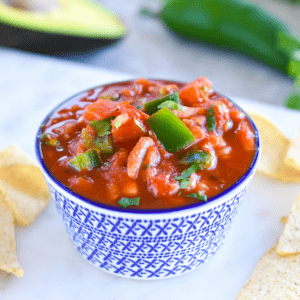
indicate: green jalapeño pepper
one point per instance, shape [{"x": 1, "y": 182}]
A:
[
  {"x": 170, "y": 130},
  {"x": 152, "y": 106},
  {"x": 86, "y": 161},
  {"x": 237, "y": 25}
]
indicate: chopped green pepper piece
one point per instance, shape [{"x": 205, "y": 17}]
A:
[
  {"x": 102, "y": 127},
  {"x": 170, "y": 130},
  {"x": 86, "y": 161},
  {"x": 152, "y": 106},
  {"x": 172, "y": 105},
  {"x": 210, "y": 119},
  {"x": 200, "y": 196},
  {"x": 125, "y": 202},
  {"x": 102, "y": 143}
]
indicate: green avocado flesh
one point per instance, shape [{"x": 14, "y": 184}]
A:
[{"x": 77, "y": 18}]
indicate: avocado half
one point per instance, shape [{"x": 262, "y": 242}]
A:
[{"x": 74, "y": 25}]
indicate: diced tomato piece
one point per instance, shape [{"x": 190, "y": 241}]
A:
[
  {"x": 189, "y": 95},
  {"x": 130, "y": 124},
  {"x": 126, "y": 107},
  {"x": 122, "y": 106},
  {"x": 196, "y": 91},
  {"x": 120, "y": 120},
  {"x": 101, "y": 109},
  {"x": 126, "y": 127},
  {"x": 246, "y": 136},
  {"x": 136, "y": 113}
]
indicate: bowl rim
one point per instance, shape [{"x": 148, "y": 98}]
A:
[{"x": 215, "y": 199}]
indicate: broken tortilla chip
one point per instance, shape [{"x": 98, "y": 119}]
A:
[
  {"x": 13, "y": 155},
  {"x": 22, "y": 185},
  {"x": 274, "y": 150},
  {"x": 289, "y": 241},
  {"x": 8, "y": 257},
  {"x": 274, "y": 277},
  {"x": 292, "y": 158}
]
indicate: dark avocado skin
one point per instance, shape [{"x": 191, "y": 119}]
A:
[{"x": 47, "y": 43}]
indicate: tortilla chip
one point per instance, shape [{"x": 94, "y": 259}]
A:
[
  {"x": 8, "y": 257},
  {"x": 274, "y": 277},
  {"x": 292, "y": 158},
  {"x": 13, "y": 155},
  {"x": 274, "y": 149},
  {"x": 22, "y": 185},
  {"x": 289, "y": 242}
]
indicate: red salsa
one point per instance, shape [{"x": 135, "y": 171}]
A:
[{"x": 149, "y": 144}]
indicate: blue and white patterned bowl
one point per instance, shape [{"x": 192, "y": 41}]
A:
[{"x": 147, "y": 244}]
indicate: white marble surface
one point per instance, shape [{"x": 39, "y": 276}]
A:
[{"x": 29, "y": 87}]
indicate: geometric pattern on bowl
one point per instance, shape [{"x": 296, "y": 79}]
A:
[
  {"x": 142, "y": 248},
  {"x": 145, "y": 245}
]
